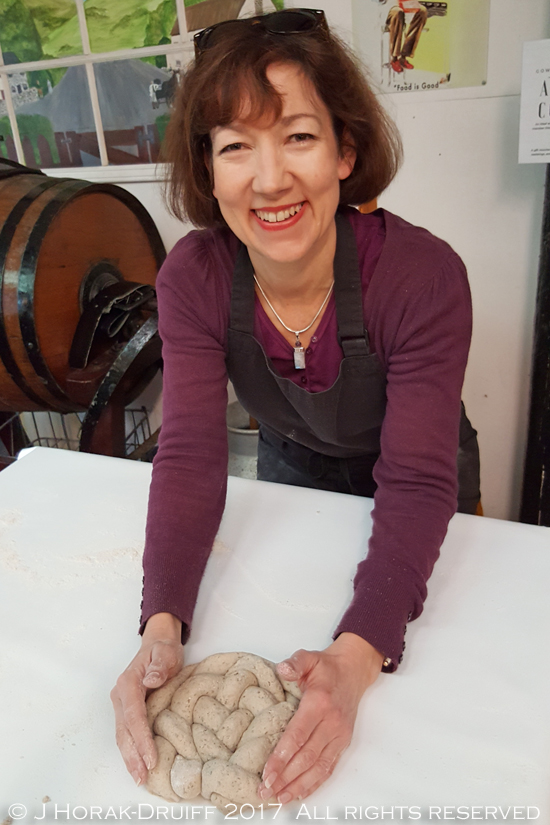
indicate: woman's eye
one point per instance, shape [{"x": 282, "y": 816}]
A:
[
  {"x": 232, "y": 147},
  {"x": 301, "y": 137}
]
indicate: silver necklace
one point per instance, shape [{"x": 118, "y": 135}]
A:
[{"x": 299, "y": 351}]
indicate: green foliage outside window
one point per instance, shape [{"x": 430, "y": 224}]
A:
[
  {"x": 127, "y": 24},
  {"x": 18, "y": 32},
  {"x": 5, "y": 132},
  {"x": 32, "y": 126},
  {"x": 161, "y": 123}
]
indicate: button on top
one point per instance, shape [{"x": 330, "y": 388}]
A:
[
  {"x": 308, "y": 351},
  {"x": 314, "y": 339}
]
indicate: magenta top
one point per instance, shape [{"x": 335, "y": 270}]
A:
[{"x": 418, "y": 315}]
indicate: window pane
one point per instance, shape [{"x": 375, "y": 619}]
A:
[
  {"x": 58, "y": 129},
  {"x": 133, "y": 98},
  {"x": 129, "y": 24},
  {"x": 38, "y": 29}
]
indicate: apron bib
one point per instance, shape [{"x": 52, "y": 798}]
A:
[{"x": 342, "y": 422}]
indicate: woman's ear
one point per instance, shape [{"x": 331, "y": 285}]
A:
[{"x": 348, "y": 156}]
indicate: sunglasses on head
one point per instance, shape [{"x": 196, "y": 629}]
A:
[{"x": 290, "y": 21}]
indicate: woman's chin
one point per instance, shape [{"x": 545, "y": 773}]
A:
[{"x": 283, "y": 252}]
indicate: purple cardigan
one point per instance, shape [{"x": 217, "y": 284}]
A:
[{"x": 418, "y": 314}]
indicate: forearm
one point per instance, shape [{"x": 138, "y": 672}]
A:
[
  {"x": 186, "y": 503},
  {"x": 424, "y": 355},
  {"x": 189, "y": 479}
]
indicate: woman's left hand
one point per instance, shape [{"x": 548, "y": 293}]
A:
[{"x": 332, "y": 682}]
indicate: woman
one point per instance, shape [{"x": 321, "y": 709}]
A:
[{"x": 345, "y": 334}]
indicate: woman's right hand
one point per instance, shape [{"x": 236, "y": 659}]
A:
[{"x": 159, "y": 658}]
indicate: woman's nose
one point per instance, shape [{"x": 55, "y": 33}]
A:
[{"x": 271, "y": 174}]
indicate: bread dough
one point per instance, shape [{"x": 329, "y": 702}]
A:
[{"x": 215, "y": 725}]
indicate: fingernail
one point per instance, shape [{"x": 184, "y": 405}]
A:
[
  {"x": 264, "y": 793},
  {"x": 286, "y": 667},
  {"x": 154, "y": 675},
  {"x": 148, "y": 762},
  {"x": 136, "y": 777},
  {"x": 284, "y": 798},
  {"x": 269, "y": 780}
]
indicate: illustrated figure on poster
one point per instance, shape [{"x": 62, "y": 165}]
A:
[{"x": 403, "y": 44}]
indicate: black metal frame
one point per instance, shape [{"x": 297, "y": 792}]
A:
[{"x": 535, "y": 506}]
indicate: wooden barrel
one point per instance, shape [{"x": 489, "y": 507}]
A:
[{"x": 60, "y": 241}]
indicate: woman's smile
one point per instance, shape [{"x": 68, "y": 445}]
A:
[{"x": 280, "y": 217}]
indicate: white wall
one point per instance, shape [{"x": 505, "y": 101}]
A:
[{"x": 462, "y": 181}]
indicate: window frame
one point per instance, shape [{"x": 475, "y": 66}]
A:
[{"x": 105, "y": 172}]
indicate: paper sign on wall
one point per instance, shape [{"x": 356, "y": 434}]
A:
[
  {"x": 419, "y": 45},
  {"x": 534, "y": 124}
]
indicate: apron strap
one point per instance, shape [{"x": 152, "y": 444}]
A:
[
  {"x": 242, "y": 293},
  {"x": 348, "y": 295},
  {"x": 352, "y": 335}
]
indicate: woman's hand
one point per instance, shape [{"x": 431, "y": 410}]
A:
[
  {"x": 333, "y": 682},
  {"x": 159, "y": 658}
]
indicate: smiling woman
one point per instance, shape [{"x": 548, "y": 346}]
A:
[{"x": 345, "y": 335}]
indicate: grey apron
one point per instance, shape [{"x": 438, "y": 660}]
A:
[{"x": 329, "y": 439}]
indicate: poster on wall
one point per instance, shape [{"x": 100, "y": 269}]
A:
[
  {"x": 534, "y": 126},
  {"x": 421, "y": 45}
]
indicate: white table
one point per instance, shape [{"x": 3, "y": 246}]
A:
[{"x": 464, "y": 722}]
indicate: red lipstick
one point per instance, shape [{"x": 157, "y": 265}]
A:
[{"x": 276, "y": 226}]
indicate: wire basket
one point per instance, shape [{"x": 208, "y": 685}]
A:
[{"x": 62, "y": 431}]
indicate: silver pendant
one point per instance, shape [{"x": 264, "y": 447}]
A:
[{"x": 299, "y": 358}]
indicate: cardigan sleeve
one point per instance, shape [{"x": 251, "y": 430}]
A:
[
  {"x": 186, "y": 502},
  {"x": 424, "y": 341}
]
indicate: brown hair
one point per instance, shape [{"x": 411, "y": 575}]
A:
[{"x": 233, "y": 71}]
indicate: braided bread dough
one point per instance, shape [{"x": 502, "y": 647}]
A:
[{"x": 214, "y": 726}]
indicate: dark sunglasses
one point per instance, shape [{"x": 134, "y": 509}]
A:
[{"x": 291, "y": 21}]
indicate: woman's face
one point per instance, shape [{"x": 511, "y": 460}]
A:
[{"x": 278, "y": 184}]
